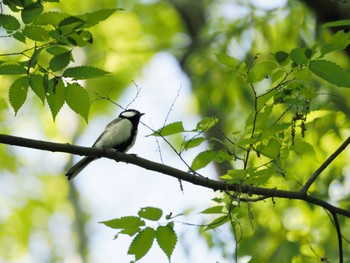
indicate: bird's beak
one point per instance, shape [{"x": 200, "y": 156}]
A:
[{"x": 142, "y": 114}]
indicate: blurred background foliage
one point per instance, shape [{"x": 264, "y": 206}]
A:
[{"x": 38, "y": 209}]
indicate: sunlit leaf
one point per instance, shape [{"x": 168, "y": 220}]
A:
[
  {"x": 330, "y": 72},
  {"x": 18, "y": 93},
  {"x": 55, "y": 94},
  {"x": 260, "y": 71},
  {"x": 142, "y": 243},
  {"x": 31, "y": 12},
  {"x": 227, "y": 60},
  {"x": 203, "y": 159},
  {"x": 84, "y": 72},
  {"x": 36, "y": 82},
  {"x": 166, "y": 239},
  {"x": 170, "y": 129},
  {"x": 78, "y": 99},
  {"x": 150, "y": 213},
  {"x": 124, "y": 222}
]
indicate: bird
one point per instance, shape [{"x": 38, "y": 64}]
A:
[{"x": 120, "y": 134}]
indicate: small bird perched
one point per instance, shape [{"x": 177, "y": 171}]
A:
[{"x": 119, "y": 134}]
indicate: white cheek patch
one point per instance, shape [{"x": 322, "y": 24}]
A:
[
  {"x": 115, "y": 134},
  {"x": 129, "y": 114}
]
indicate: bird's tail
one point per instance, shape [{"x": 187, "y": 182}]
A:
[{"x": 78, "y": 167}]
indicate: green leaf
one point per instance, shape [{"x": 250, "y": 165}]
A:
[
  {"x": 260, "y": 71},
  {"x": 34, "y": 58},
  {"x": 36, "y": 82},
  {"x": 330, "y": 72},
  {"x": 20, "y": 36},
  {"x": 9, "y": 22},
  {"x": 12, "y": 69},
  {"x": 282, "y": 58},
  {"x": 226, "y": 60},
  {"x": 70, "y": 24},
  {"x": 339, "y": 41},
  {"x": 142, "y": 243},
  {"x": 84, "y": 72},
  {"x": 170, "y": 129},
  {"x": 50, "y": 18},
  {"x": 338, "y": 23},
  {"x": 18, "y": 93},
  {"x": 78, "y": 99},
  {"x": 124, "y": 222},
  {"x": 203, "y": 159},
  {"x": 36, "y": 33},
  {"x": 235, "y": 176},
  {"x": 298, "y": 55},
  {"x": 217, "y": 222},
  {"x": 150, "y": 213},
  {"x": 206, "y": 123},
  {"x": 31, "y": 12},
  {"x": 55, "y": 94},
  {"x": 166, "y": 239},
  {"x": 270, "y": 150},
  {"x": 97, "y": 16},
  {"x": 194, "y": 142},
  {"x": 56, "y": 50},
  {"x": 60, "y": 61},
  {"x": 302, "y": 148},
  {"x": 129, "y": 231},
  {"x": 213, "y": 210}
]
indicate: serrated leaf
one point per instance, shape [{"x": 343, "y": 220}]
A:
[
  {"x": 194, "y": 142},
  {"x": 50, "y": 18},
  {"x": 206, "y": 123},
  {"x": 170, "y": 129},
  {"x": 9, "y": 22},
  {"x": 330, "y": 72},
  {"x": 12, "y": 69},
  {"x": 298, "y": 55},
  {"x": 203, "y": 159},
  {"x": 97, "y": 16},
  {"x": 166, "y": 239},
  {"x": 56, "y": 50},
  {"x": 20, "y": 36},
  {"x": 270, "y": 150},
  {"x": 260, "y": 71},
  {"x": 129, "y": 231},
  {"x": 60, "y": 61},
  {"x": 36, "y": 82},
  {"x": 34, "y": 58},
  {"x": 124, "y": 222},
  {"x": 36, "y": 33},
  {"x": 282, "y": 58},
  {"x": 302, "y": 148},
  {"x": 150, "y": 213},
  {"x": 70, "y": 24},
  {"x": 55, "y": 95},
  {"x": 84, "y": 72},
  {"x": 339, "y": 41},
  {"x": 31, "y": 12},
  {"x": 18, "y": 93},
  {"x": 217, "y": 222},
  {"x": 213, "y": 210},
  {"x": 338, "y": 23},
  {"x": 142, "y": 243},
  {"x": 78, "y": 99},
  {"x": 227, "y": 60}
]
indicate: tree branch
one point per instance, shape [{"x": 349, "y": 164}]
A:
[
  {"x": 171, "y": 171},
  {"x": 324, "y": 165}
]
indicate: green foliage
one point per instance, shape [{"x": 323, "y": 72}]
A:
[
  {"x": 55, "y": 34},
  {"x": 143, "y": 235}
]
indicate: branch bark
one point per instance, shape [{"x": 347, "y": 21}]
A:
[{"x": 171, "y": 171}]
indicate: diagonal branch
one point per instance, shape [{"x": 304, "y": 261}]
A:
[
  {"x": 170, "y": 171},
  {"x": 323, "y": 166}
]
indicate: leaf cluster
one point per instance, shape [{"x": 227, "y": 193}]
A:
[
  {"x": 143, "y": 234},
  {"x": 44, "y": 65}
]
